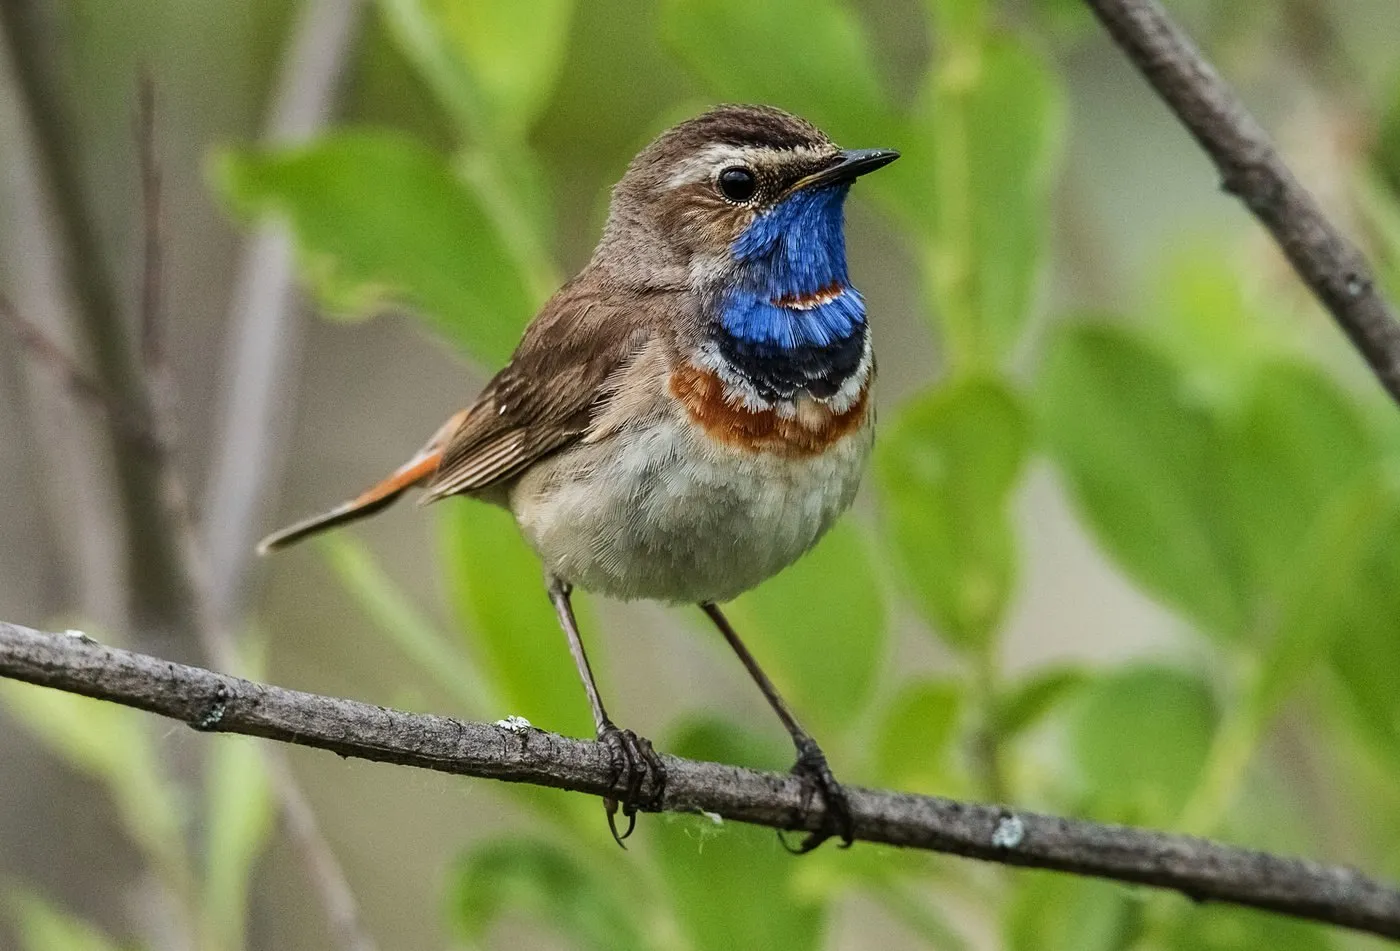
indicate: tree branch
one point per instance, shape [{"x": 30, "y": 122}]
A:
[
  {"x": 1250, "y": 168},
  {"x": 159, "y": 599},
  {"x": 211, "y": 702}
]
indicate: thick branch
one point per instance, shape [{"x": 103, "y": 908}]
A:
[
  {"x": 1251, "y": 169},
  {"x": 214, "y": 702}
]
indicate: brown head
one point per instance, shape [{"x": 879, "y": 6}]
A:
[{"x": 690, "y": 194}]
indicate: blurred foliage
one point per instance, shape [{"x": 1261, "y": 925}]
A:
[
  {"x": 1217, "y": 456},
  {"x": 43, "y": 927},
  {"x": 117, "y": 747}
]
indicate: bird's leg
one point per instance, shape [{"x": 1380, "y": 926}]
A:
[
  {"x": 811, "y": 762},
  {"x": 633, "y": 758}
]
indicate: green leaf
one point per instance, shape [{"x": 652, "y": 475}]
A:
[
  {"x": 994, "y": 121},
  {"x": 916, "y": 738},
  {"x": 818, "y": 629},
  {"x": 1379, "y": 206},
  {"x": 379, "y": 220},
  {"x": 544, "y": 882},
  {"x": 406, "y": 627},
  {"x": 1064, "y": 913},
  {"x": 1387, "y": 155},
  {"x": 496, "y": 586},
  {"x": 1212, "y": 321},
  {"x": 1207, "y": 928},
  {"x": 733, "y": 885},
  {"x": 947, "y": 468},
  {"x": 114, "y": 745},
  {"x": 1142, "y": 466},
  {"x": 1323, "y": 585},
  {"x": 42, "y": 926},
  {"x": 745, "y": 52},
  {"x": 492, "y": 63},
  {"x": 1364, "y": 648},
  {"x": 1022, "y": 705},
  {"x": 1139, "y": 739},
  {"x": 1297, "y": 445},
  {"x": 241, "y": 815},
  {"x": 958, "y": 23}
]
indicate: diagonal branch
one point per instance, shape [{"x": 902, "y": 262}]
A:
[
  {"x": 207, "y": 701},
  {"x": 1250, "y": 168}
]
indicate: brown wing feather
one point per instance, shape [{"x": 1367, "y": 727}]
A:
[{"x": 546, "y": 397}]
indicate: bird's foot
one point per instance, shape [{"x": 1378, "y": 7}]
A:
[
  {"x": 817, "y": 778},
  {"x": 635, "y": 765}
]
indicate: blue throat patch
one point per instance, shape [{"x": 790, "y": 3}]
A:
[{"x": 792, "y": 321}]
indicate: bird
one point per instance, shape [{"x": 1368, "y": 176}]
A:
[{"x": 689, "y": 414}]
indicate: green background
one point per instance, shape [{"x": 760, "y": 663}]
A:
[{"x": 1130, "y": 548}]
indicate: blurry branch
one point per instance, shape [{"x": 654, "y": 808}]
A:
[
  {"x": 168, "y": 571},
  {"x": 159, "y": 595},
  {"x": 211, "y": 702},
  {"x": 78, "y": 383},
  {"x": 262, "y": 334},
  {"x": 214, "y": 626},
  {"x": 1250, "y": 168}
]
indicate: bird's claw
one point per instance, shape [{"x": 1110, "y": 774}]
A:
[
  {"x": 634, "y": 765},
  {"x": 817, "y": 778}
]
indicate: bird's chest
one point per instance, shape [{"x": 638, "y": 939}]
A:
[{"x": 698, "y": 502}]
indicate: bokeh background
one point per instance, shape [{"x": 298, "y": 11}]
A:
[{"x": 1131, "y": 549}]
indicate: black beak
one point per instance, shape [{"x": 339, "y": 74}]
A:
[{"x": 853, "y": 163}]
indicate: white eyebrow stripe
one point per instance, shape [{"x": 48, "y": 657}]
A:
[{"x": 704, "y": 163}]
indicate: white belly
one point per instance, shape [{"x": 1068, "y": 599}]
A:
[{"x": 666, "y": 513}]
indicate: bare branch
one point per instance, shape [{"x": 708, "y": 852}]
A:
[
  {"x": 158, "y": 599},
  {"x": 1200, "y": 869},
  {"x": 79, "y": 383},
  {"x": 1250, "y": 168}
]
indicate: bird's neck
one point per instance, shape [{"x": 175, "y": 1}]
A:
[{"x": 790, "y": 322}]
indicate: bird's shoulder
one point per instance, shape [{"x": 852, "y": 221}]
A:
[{"x": 557, "y": 382}]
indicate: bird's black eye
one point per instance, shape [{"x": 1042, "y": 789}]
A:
[{"x": 737, "y": 183}]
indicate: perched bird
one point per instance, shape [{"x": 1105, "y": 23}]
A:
[{"x": 690, "y": 413}]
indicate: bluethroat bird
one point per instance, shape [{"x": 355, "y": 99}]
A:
[{"x": 689, "y": 414}]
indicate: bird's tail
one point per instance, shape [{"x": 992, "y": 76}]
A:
[{"x": 415, "y": 472}]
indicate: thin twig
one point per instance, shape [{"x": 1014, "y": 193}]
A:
[
  {"x": 158, "y": 600},
  {"x": 211, "y": 702},
  {"x": 1250, "y": 168},
  {"x": 79, "y": 383}
]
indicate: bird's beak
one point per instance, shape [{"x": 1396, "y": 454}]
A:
[{"x": 852, "y": 164}]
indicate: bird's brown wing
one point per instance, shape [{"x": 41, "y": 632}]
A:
[{"x": 548, "y": 394}]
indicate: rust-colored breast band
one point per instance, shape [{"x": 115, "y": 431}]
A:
[{"x": 809, "y": 432}]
